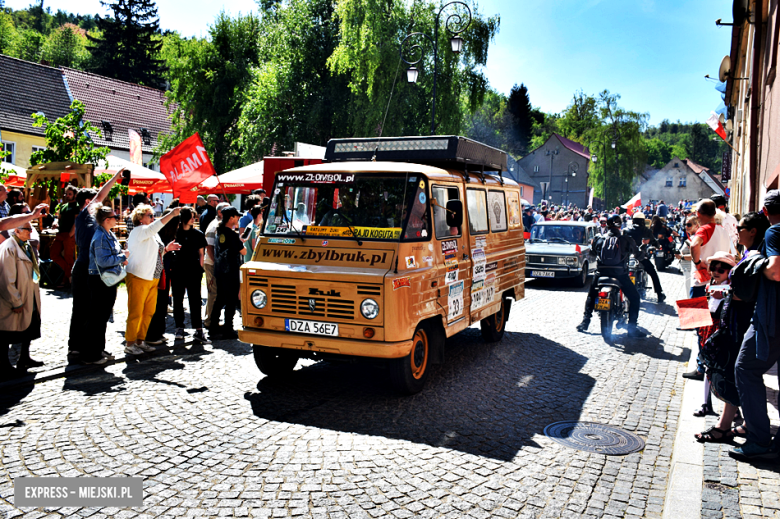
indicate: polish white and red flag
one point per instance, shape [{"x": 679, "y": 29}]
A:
[
  {"x": 635, "y": 202},
  {"x": 714, "y": 123}
]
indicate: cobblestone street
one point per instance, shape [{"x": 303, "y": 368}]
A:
[{"x": 214, "y": 438}]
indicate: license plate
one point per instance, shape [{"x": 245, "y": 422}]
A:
[
  {"x": 312, "y": 327},
  {"x": 633, "y": 280},
  {"x": 659, "y": 254},
  {"x": 542, "y": 274},
  {"x": 603, "y": 304}
]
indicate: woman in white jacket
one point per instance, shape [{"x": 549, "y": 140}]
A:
[
  {"x": 144, "y": 268},
  {"x": 20, "y": 301}
]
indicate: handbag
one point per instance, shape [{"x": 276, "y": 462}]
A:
[
  {"x": 111, "y": 278},
  {"x": 745, "y": 277}
]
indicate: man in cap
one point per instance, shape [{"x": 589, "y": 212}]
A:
[
  {"x": 642, "y": 235},
  {"x": 528, "y": 218},
  {"x": 729, "y": 222},
  {"x": 626, "y": 247},
  {"x": 761, "y": 346}
]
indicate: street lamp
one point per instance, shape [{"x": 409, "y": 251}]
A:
[
  {"x": 571, "y": 170},
  {"x": 551, "y": 154},
  {"x": 455, "y": 24}
]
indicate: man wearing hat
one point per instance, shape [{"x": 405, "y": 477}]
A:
[
  {"x": 528, "y": 218},
  {"x": 641, "y": 234},
  {"x": 761, "y": 346},
  {"x": 729, "y": 222}
]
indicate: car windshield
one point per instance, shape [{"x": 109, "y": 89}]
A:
[
  {"x": 340, "y": 204},
  {"x": 559, "y": 234}
]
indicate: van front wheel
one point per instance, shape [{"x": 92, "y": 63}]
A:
[
  {"x": 410, "y": 373},
  {"x": 494, "y": 325},
  {"x": 274, "y": 362}
]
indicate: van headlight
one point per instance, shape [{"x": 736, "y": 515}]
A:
[
  {"x": 259, "y": 299},
  {"x": 567, "y": 260},
  {"x": 369, "y": 308}
]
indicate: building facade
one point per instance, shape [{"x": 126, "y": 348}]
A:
[
  {"x": 679, "y": 179},
  {"x": 528, "y": 186},
  {"x": 560, "y": 167},
  {"x": 753, "y": 104}
]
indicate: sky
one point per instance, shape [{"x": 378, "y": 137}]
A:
[{"x": 654, "y": 53}]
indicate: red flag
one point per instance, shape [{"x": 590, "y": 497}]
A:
[
  {"x": 694, "y": 313},
  {"x": 714, "y": 123},
  {"x": 186, "y": 166}
]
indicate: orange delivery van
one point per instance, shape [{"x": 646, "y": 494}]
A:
[{"x": 383, "y": 251}]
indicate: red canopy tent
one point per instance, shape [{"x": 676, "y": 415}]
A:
[
  {"x": 239, "y": 181},
  {"x": 141, "y": 179},
  {"x": 16, "y": 175}
]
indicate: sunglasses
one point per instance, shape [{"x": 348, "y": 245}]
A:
[
  {"x": 720, "y": 268},
  {"x": 741, "y": 228},
  {"x": 112, "y": 216},
  {"x": 689, "y": 224},
  {"x": 28, "y": 229}
]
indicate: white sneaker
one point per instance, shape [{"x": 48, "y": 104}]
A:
[
  {"x": 145, "y": 347},
  {"x": 132, "y": 349},
  {"x": 108, "y": 356},
  {"x": 154, "y": 343},
  {"x": 100, "y": 361}
]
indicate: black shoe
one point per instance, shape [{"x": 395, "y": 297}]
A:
[
  {"x": 28, "y": 363},
  {"x": 11, "y": 374},
  {"x": 694, "y": 375},
  {"x": 661, "y": 297},
  {"x": 215, "y": 333},
  {"x": 635, "y": 332},
  {"x": 229, "y": 333},
  {"x": 583, "y": 326}
]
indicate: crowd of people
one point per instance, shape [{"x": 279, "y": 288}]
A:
[
  {"x": 734, "y": 262},
  {"x": 162, "y": 260}
]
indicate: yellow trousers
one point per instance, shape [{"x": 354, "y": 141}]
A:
[{"x": 141, "y": 304}]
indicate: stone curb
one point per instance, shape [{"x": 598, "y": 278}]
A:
[{"x": 686, "y": 474}]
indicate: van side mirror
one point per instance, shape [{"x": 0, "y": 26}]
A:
[{"x": 454, "y": 213}]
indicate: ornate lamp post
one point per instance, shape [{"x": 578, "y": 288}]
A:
[
  {"x": 455, "y": 24},
  {"x": 571, "y": 170}
]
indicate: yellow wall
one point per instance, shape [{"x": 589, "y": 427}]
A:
[{"x": 24, "y": 144}]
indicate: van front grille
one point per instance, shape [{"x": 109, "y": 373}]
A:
[{"x": 286, "y": 300}]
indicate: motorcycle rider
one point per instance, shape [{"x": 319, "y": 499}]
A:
[
  {"x": 642, "y": 235},
  {"x": 626, "y": 246}
]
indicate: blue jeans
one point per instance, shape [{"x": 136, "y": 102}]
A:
[
  {"x": 749, "y": 373},
  {"x": 698, "y": 292}
]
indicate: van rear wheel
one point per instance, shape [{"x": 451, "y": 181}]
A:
[
  {"x": 409, "y": 373},
  {"x": 494, "y": 325},
  {"x": 274, "y": 362}
]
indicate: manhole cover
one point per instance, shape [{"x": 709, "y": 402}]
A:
[{"x": 594, "y": 437}]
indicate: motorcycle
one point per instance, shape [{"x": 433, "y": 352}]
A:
[
  {"x": 612, "y": 305},
  {"x": 638, "y": 275},
  {"x": 664, "y": 254}
]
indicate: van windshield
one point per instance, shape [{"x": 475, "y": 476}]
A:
[{"x": 338, "y": 204}]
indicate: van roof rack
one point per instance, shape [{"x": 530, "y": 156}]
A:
[{"x": 451, "y": 151}]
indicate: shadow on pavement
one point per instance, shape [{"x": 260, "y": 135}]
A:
[
  {"x": 94, "y": 383},
  {"x": 486, "y": 399},
  {"x": 12, "y": 396},
  {"x": 148, "y": 368}
]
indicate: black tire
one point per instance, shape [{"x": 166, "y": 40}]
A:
[
  {"x": 580, "y": 280},
  {"x": 408, "y": 374},
  {"x": 606, "y": 324},
  {"x": 274, "y": 362},
  {"x": 493, "y": 326}
]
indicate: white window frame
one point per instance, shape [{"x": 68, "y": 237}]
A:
[
  {"x": 13, "y": 152},
  {"x": 683, "y": 182},
  {"x": 38, "y": 148},
  {"x": 670, "y": 181}
]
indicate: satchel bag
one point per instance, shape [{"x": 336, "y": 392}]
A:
[
  {"x": 111, "y": 278},
  {"x": 746, "y": 277}
]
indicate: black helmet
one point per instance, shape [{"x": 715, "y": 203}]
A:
[{"x": 615, "y": 220}]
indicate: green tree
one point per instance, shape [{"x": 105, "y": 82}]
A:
[
  {"x": 67, "y": 139},
  {"x": 522, "y": 123},
  {"x": 128, "y": 46},
  {"x": 659, "y": 153},
  {"x": 369, "y": 34},
  {"x": 492, "y": 123},
  {"x": 29, "y": 45},
  {"x": 580, "y": 117},
  {"x": 208, "y": 80},
  {"x": 613, "y": 173},
  {"x": 544, "y": 125},
  {"x": 66, "y": 47},
  {"x": 293, "y": 95},
  {"x": 7, "y": 33}
]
